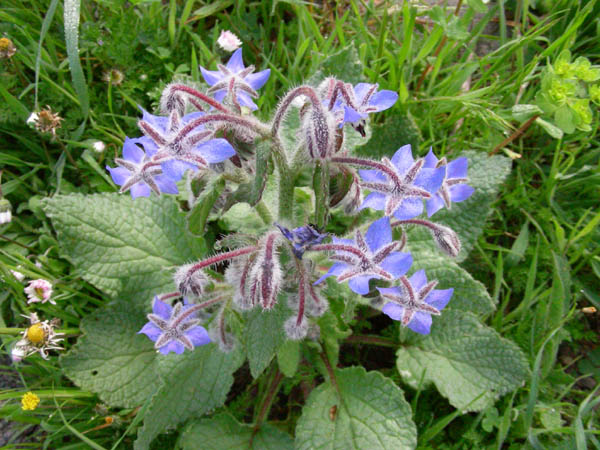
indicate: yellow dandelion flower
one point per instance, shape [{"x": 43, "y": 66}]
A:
[{"x": 29, "y": 401}]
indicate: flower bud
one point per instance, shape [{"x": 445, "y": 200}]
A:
[
  {"x": 190, "y": 283},
  {"x": 171, "y": 100},
  {"x": 319, "y": 133},
  {"x": 265, "y": 275},
  {"x": 296, "y": 330},
  {"x": 446, "y": 239}
]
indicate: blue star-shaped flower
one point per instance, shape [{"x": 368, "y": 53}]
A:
[
  {"x": 136, "y": 173},
  {"x": 172, "y": 329},
  {"x": 366, "y": 100},
  {"x": 454, "y": 187},
  {"x": 179, "y": 154},
  {"x": 302, "y": 238},
  {"x": 371, "y": 256},
  {"x": 415, "y": 302},
  {"x": 401, "y": 188},
  {"x": 246, "y": 83}
]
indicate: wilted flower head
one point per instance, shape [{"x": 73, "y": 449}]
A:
[
  {"x": 7, "y": 48},
  {"x": 39, "y": 337},
  {"x": 113, "y": 76},
  {"x": 173, "y": 329},
  {"x": 302, "y": 237},
  {"x": 415, "y": 301},
  {"x": 371, "y": 256},
  {"x": 235, "y": 76},
  {"x": 29, "y": 401},
  {"x": 39, "y": 291},
  {"x": 401, "y": 185},
  {"x": 228, "y": 41},
  {"x": 453, "y": 188},
  {"x": 45, "y": 121}
]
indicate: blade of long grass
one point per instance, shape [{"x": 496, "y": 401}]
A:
[
  {"x": 38, "y": 57},
  {"x": 71, "y": 18}
]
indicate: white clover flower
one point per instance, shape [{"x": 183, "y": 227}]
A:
[
  {"x": 39, "y": 291},
  {"x": 18, "y": 275},
  {"x": 99, "y": 146},
  {"x": 228, "y": 41}
]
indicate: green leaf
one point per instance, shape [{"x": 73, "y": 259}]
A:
[
  {"x": 469, "y": 294},
  {"x": 192, "y": 384},
  {"x": 486, "y": 175},
  {"x": 524, "y": 112},
  {"x": 344, "y": 64},
  {"x": 224, "y": 432},
  {"x": 111, "y": 359},
  {"x": 478, "y": 6},
  {"x": 124, "y": 247},
  {"x": 549, "y": 128},
  {"x": 368, "y": 412},
  {"x": 198, "y": 216},
  {"x": 469, "y": 363},
  {"x": 565, "y": 119},
  {"x": 265, "y": 335},
  {"x": 288, "y": 357}
]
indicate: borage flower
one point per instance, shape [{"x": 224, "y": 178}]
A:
[
  {"x": 371, "y": 256},
  {"x": 302, "y": 238},
  {"x": 453, "y": 188},
  {"x": 415, "y": 301},
  {"x": 401, "y": 185},
  {"x": 235, "y": 76},
  {"x": 137, "y": 173},
  {"x": 173, "y": 329}
]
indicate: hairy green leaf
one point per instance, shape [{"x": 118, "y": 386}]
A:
[
  {"x": 469, "y": 363},
  {"x": 224, "y": 432},
  {"x": 365, "y": 411},
  {"x": 124, "y": 247}
]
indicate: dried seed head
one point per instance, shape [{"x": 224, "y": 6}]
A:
[
  {"x": 46, "y": 121},
  {"x": 7, "y": 48},
  {"x": 113, "y": 76}
]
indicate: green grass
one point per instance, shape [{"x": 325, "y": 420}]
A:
[{"x": 539, "y": 255}]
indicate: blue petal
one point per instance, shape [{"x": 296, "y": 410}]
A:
[
  {"x": 340, "y": 241},
  {"x": 360, "y": 90},
  {"x": 379, "y": 234},
  {"x": 245, "y": 100},
  {"x": 403, "y": 159},
  {"x": 391, "y": 290},
  {"x": 439, "y": 298},
  {"x": 172, "y": 346},
  {"x": 360, "y": 284},
  {"x": 236, "y": 63},
  {"x": 397, "y": 263},
  {"x": 161, "y": 309},
  {"x": 409, "y": 208},
  {"x": 166, "y": 184},
  {"x": 198, "y": 336},
  {"x": 211, "y": 76},
  {"x": 220, "y": 95},
  {"x": 139, "y": 190},
  {"x": 384, "y": 99},
  {"x": 175, "y": 168},
  {"x": 151, "y": 330},
  {"x": 434, "y": 204},
  {"x": 159, "y": 122},
  {"x": 258, "y": 79},
  {"x": 430, "y": 160},
  {"x": 430, "y": 179},
  {"x": 193, "y": 116},
  {"x": 149, "y": 146},
  {"x": 372, "y": 175},
  {"x": 119, "y": 174},
  {"x": 215, "y": 150},
  {"x": 420, "y": 323},
  {"x": 131, "y": 152},
  {"x": 460, "y": 192},
  {"x": 375, "y": 200},
  {"x": 351, "y": 116},
  {"x": 335, "y": 270},
  {"x": 458, "y": 168},
  {"x": 418, "y": 280},
  {"x": 393, "y": 310}
]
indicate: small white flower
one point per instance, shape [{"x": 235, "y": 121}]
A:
[
  {"x": 299, "y": 101},
  {"x": 5, "y": 217},
  {"x": 228, "y": 41},
  {"x": 99, "y": 146},
  {"x": 39, "y": 337},
  {"x": 39, "y": 291},
  {"x": 18, "y": 275},
  {"x": 33, "y": 118}
]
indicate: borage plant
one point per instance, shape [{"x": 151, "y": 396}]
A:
[{"x": 283, "y": 277}]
